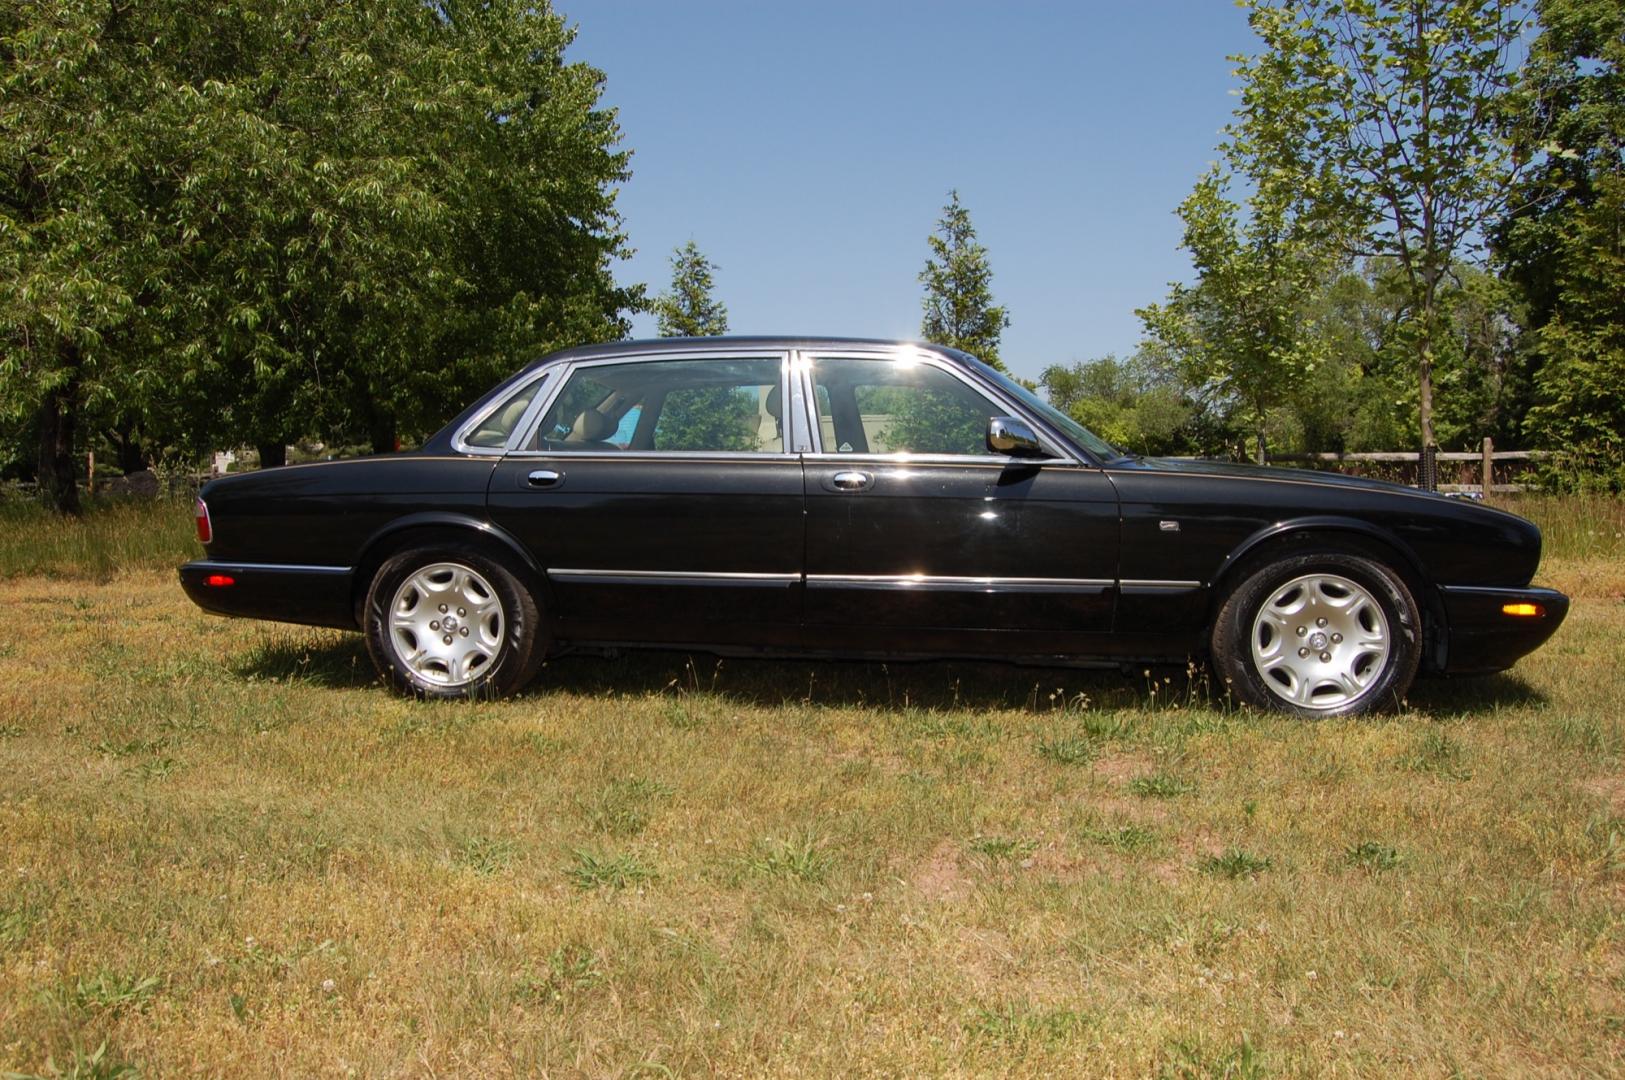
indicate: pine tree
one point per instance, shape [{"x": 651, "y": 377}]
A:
[
  {"x": 689, "y": 309},
  {"x": 959, "y": 308}
]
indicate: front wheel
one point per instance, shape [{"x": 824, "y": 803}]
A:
[
  {"x": 452, "y": 623},
  {"x": 1319, "y": 634}
]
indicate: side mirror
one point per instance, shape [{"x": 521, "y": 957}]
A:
[{"x": 1008, "y": 435}]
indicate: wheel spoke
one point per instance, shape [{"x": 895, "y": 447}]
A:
[
  {"x": 460, "y": 604},
  {"x": 1343, "y": 626}
]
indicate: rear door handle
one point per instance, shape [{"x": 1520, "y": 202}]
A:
[
  {"x": 851, "y": 480},
  {"x": 544, "y": 478}
]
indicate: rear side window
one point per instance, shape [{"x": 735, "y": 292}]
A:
[
  {"x": 679, "y": 405},
  {"x": 494, "y": 429}
]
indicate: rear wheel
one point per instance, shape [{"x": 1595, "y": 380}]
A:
[
  {"x": 452, "y": 623},
  {"x": 1322, "y": 633}
]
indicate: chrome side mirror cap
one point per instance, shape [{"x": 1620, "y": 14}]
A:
[{"x": 1009, "y": 435}]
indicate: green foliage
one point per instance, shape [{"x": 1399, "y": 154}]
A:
[
  {"x": 958, "y": 280},
  {"x": 590, "y": 870},
  {"x": 1370, "y": 855},
  {"x": 708, "y": 418},
  {"x": 1139, "y": 404},
  {"x": 926, "y": 420},
  {"x": 1563, "y": 245},
  {"x": 244, "y": 224},
  {"x": 688, "y": 309},
  {"x": 1385, "y": 112},
  {"x": 1233, "y": 863},
  {"x": 1241, "y": 335}
]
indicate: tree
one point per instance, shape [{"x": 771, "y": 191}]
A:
[
  {"x": 688, "y": 309},
  {"x": 1139, "y": 403},
  {"x": 959, "y": 308},
  {"x": 1563, "y": 245},
  {"x": 1242, "y": 333},
  {"x": 286, "y": 217},
  {"x": 1398, "y": 101}
]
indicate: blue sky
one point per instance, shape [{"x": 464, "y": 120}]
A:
[{"x": 808, "y": 149}]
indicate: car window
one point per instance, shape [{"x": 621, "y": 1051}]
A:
[
  {"x": 493, "y": 430},
  {"x": 706, "y": 405},
  {"x": 882, "y": 406}
]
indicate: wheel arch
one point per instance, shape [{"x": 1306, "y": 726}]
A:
[
  {"x": 1356, "y": 536},
  {"x": 425, "y": 529}
]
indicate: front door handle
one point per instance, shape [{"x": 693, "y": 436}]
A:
[
  {"x": 544, "y": 478},
  {"x": 852, "y": 481}
]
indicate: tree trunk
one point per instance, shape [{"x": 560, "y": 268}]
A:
[
  {"x": 58, "y": 421},
  {"x": 273, "y": 455},
  {"x": 130, "y": 455},
  {"x": 381, "y": 429},
  {"x": 1425, "y": 396}
]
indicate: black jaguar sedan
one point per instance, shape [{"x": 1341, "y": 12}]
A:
[{"x": 828, "y": 497}]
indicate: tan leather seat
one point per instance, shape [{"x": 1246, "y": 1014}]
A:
[{"x": 592, "y": 428}]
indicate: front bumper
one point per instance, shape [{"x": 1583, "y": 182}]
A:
[
  {"x": 313, "y": 595},
  {"x": 1484, "y": 638}
]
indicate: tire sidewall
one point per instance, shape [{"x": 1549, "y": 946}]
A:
[
  {"x": 1232, "y": 637},
  {"x": 521, "y": 624}
]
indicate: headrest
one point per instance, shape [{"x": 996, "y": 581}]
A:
[
  {"x": 775, "y": 402},
  {"x": 592, "y": 426}
]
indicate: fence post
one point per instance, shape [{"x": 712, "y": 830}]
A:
[{"x": 1489, "y": 466}]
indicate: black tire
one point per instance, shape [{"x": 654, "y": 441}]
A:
[
  {"x": 515, "y": 636},
  {"x": 1284, "y": 675}
]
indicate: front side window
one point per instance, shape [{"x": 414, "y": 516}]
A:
[
  {"x": 495, "y": 428},
  {"x": 882, "y": 406},
  {"x": 692, "y": 405}
]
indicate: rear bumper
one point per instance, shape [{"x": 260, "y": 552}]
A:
[
  {"x": 1483, "y": 638},
  {"x": 313, "y": 595}
]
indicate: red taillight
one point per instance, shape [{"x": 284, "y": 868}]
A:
[
  {"x": 205, "y": 530},
  {"x": 219, "y": 581}
]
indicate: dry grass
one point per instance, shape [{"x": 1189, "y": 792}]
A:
[{"x": 225, "y": 850}]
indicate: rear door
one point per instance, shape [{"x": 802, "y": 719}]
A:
[
  {"x": 918, "y": 535},
  {"x": 661, "y": 495}
]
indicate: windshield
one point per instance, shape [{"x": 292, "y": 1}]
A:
[{"x": 1070, "y": 427}]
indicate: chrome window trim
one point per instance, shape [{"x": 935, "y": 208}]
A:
[
  {"x": 922, "y": 355},
  {"x": 567, "y": 370},
  {"x": 986, "y": 461},
  {"x": 517, "y": 385}
]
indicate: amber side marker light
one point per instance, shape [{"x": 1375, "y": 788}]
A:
[
  {"x": 1525, "y": 610},
  {"x": 219, "y": 581}
]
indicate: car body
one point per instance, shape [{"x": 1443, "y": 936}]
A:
[{"x": 838, "y": 497}]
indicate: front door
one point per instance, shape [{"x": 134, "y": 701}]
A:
[
  {"x": 661, "y": 498},
  {"x": 918, "y": 536}
]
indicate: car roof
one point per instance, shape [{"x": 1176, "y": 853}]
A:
[{"x": 776, "y": 342}]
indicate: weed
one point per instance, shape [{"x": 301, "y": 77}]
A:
[
  {"x": 156, "y": 769},
  {"x": 1003, "y": 848},
  {"x": 1608, "y": 835},
  {"x": 1233, "y": 863},
  {"x": 1370, "y": 855},
  {"x": 16, "y": 923},
  {"x": 1068, "y": 749},
  {"x": 95, "y": 1065},
  {"x": 1190, "y": 1060},
  {"x": 485, "y": 855},
  {"x": 801, "y": 856},
  {"x": 589, "y": 870},
  {"x": 622, "y": 807},
  {"x": 10, "y": 731},
  {"x": 130, "y": 748},
  {"x": 1437, "y": 753},
  {"x": 109, "y": 991},
  {"x": 569, "y": 969},
  {"x": 1160, "y": 786},
  {"x": 1015, "y": 1024},
  {"x": 1124, "y": 838}
]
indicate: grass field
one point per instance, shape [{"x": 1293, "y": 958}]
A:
[{"x": 225, "y": 850}]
